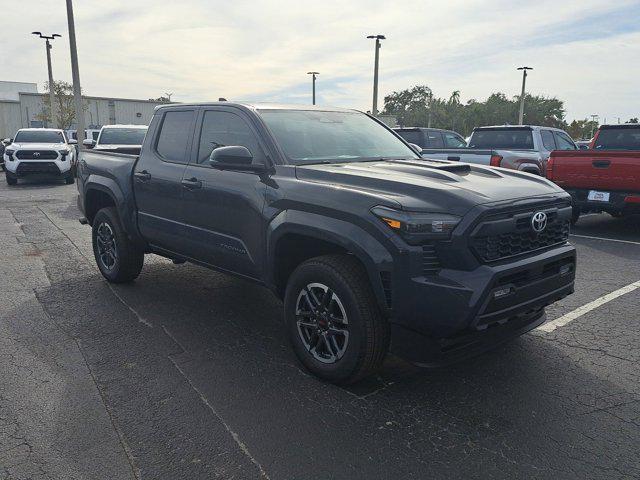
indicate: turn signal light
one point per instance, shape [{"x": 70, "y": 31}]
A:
[
  {"x": 495, "y": 160},
  {"x": 392, "y": 223}
]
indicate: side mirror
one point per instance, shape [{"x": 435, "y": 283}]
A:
[
  {"x": 88, "y": 142},
  {"x": 73, "y": 141},
  {"x": 11, "y": 140},
  {"x": 417, "y": 148},
  {"x": 232, "y": 156}
]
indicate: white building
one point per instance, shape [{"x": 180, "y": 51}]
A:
[{"x": 21, "y": 109}]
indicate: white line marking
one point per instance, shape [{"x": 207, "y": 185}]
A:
[
  {"x": 605, "y": 238},
  {"x": 578, "y": 312}
]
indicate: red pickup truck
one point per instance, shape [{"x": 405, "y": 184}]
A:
[{"x": 605, "y": 178}]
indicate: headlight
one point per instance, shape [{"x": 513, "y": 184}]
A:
[{"x": 416, "y": 227}]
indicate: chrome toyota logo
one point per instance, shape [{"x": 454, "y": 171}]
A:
[
  {"x": 36, "y": 154},
  {"x": 539, "y": 221}
]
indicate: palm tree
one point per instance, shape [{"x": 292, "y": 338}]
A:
[{"x": 455, "y": 97}]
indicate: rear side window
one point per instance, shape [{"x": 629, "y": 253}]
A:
[
  {"x": 547, "y": 139},
  {"x": 451, "y": 140},
  {"x": 174, "y": 136},
  {"x": 433, "y": 139},
  {"x": 564, "y": 142},
  {"x": 412, "y": 136}
]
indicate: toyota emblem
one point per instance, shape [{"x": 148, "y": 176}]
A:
[
  {"x": 36, "y": 154},
  {"x": 539, "y": 222}
]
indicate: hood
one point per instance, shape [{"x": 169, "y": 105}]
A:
[
  {"x": 38, "y": 146},
  {"x": 434, "y": 186}
]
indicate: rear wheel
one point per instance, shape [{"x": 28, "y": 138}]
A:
[
  {"x": 118, "y": 259},
  {"x": 68, "y": 179},
  {"x": 333, "y": 320},
  {"x": 11, "y": 178},
  {"x": 575, "y": 215}
]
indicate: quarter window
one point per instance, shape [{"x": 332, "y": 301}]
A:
[
  {"x": 225, "y": 129},
  {"x": 451, "y": 140},
  {"x": 547, "y": 140},
  {"x": 563, "y": 141},
  {"x": 174, "y": 136}
]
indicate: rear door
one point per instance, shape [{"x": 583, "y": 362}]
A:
[
  {"x": 223, "y": 208},
  {"x": 157, "y": 179}
]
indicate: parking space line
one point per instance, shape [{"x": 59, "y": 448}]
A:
[
  {"x": 578, "y": 312},
  {"x": 605, "y": 238}
]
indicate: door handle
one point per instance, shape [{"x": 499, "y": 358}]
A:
[
  {"x": 142, "y": 176},
  {"x": 456, "y": 159},
  {"x": 191, "y": 183},
  {"x": 601, "y": 163}
]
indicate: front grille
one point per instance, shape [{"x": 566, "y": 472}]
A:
[
  {"x": 430, "y": 261},
  {"x": 36, "y": 154},
  {"x": 37, "y": 167},
  {"x": 523, "y": 240}
]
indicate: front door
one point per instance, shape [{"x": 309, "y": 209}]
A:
[
  {"x": 223, "y": 208},
  {"x": 157, "y": 179}
]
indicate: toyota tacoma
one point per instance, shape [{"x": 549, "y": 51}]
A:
[{"x": 368, "y": 245}]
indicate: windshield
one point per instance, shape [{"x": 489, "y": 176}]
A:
[
  {"x": 618, "y": 139},
  {"x": 308, "y": 136},
  {"x": 505, "y": 138},
  {"x": 39, "y": 136},
  {"x": 122, "y": 136}
]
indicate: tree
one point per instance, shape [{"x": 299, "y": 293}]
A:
[
  {"x": 634, "y": 120},
  {"x": 581, "y": 129},
  {"x": 160, "y": 99},
  {"x": 65, "y": 106},
  {"x": 409, "y": 106}
]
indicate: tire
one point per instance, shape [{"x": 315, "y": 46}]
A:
[
  {"x": 336, "y": 357},
  {"x": 11, "y": 179},
  {"x": 118, "y": 259},
  {"x": 69, "y": 179},
  {"x": 575, "y": 215}
]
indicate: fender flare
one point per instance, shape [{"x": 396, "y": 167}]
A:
[
  {"x": 529, "y": 166},
  {"x": 374, "y": 256}
]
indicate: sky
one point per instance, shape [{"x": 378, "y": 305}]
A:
[{"x": 584, "y": 52}]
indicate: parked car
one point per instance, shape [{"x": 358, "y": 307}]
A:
[
  {"x": 431, "y": 137},
  {"x": 119, "y": 139},
  {"x": 583, "y": 144},
  {"x": 88, "y": 133},
  {"x": 3, "y": 143},
  {"x": 367, "y": 244},
  {"x": 525, "y": 148},
  {"x": 39, "y": 150},
  {"x": 606, "y": 178}
]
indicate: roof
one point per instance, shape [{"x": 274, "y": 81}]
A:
[
  {"x": 121, "y": 125},
  {"x": 619, "y": 125},
  {"x": 515, "y": 127},
  {"x": 424, "y": 128},
  {"x": 40, "y": 129},
  {"x": 258, "y": 106}
]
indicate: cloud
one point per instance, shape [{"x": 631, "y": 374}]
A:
[{"x": 201, "y": 50}]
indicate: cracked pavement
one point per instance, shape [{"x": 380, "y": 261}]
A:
[{"x": 187, "y": 373}]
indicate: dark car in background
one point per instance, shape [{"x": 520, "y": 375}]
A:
[{"x": 431, "y": 137}]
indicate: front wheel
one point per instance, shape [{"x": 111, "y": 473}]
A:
[
  {"x": 118, "y": 259},
  {"x": 575, "y": 215},
  {"x": 334, "y": 323},
  {"x": 11, "y": 179}
]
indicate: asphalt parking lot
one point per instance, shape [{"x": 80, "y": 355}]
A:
[{"x": 186, "y": 373}]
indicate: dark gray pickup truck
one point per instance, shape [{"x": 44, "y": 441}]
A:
[{"x": 368, "y": 245}]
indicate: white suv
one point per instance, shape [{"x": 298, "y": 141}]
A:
[{"x": 39, "y": 150}]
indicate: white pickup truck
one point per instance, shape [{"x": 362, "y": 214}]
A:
[
  {"x": 39, "y": 151},
  {"x": 119, "y": 139}
]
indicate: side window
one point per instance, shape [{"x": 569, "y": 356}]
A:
[
  {"x": 564, "y": 142},
  {"x": 174, "y": 135},
  {"x": 433, "y": 139},
  {"x": 412, "y": 136},
  {"x": 224, "y": 129},
  {"x": 451, "y": 140},
  {"x": 547, "y": 139}
]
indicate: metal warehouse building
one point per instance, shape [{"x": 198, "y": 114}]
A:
[{"x": 21, "y": 109}]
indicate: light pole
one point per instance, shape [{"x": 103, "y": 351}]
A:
[
  {"x": 54, "y": 123},
  {"x": 168, "y": 96},
  {"x": 594, "y": 120},
  {"x": 313, "y": 87},
  {"x": 524, "y": 81},
  {"x": 75, "y": 73},
  {"x": 374, "y": 110}
]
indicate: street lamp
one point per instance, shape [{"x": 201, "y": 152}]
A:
[
  {"x": 313, "y": 76},
  {"x": 374, "y": 110},
  {"x": 51, "y": 95},
  {"x": 524, "y": 80},
  {"x": 75, "y": 74}
]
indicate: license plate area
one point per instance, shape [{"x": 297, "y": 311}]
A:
[{"x": 597, "y": 196}]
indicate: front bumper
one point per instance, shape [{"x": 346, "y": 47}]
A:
[
  {"x": 23, "y": 168},
  {"x": 453, "y": 314}
]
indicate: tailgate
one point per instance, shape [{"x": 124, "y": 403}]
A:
[{"x": 606, "y": 170}]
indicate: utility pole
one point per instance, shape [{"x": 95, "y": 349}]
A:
[
  {"x": 75, "y": 73},
  {"x": 313, "y": 88},
  {"x": 374, "y": 110},
  {"x": 54, "y": 122},
  {"x": 594, "y": 122},
  {"x": 524, "y": 81}
]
